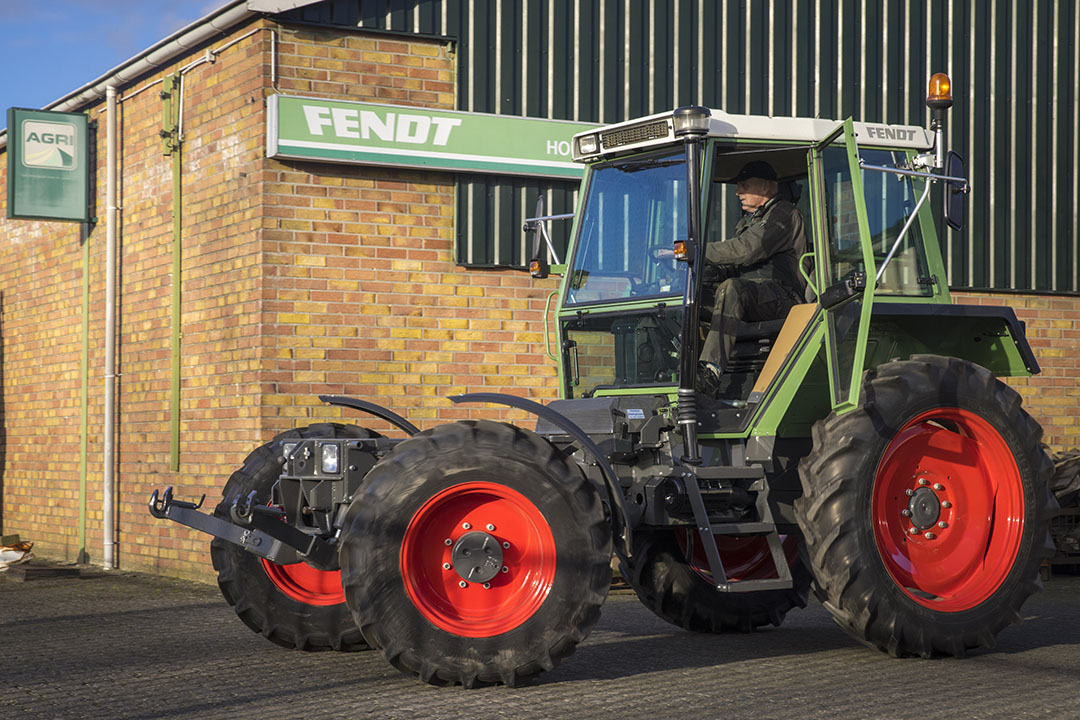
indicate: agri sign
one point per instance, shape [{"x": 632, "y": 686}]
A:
[
  {"x": 48, "y": 144},
  {"x": 392, "y": 127}
]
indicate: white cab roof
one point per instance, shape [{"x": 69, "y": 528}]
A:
[{"x": 764, "y": 127}]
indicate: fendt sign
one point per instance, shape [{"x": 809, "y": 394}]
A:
[
  {"x": 302, "y": 128},
  {"x": 48, "y": 165}
]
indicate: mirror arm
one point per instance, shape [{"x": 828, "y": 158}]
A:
[{"x": 916, "y": 173}]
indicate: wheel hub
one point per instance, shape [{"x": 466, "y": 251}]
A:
[
  {"x": 925, "y": 508},
  {"x": 949, "y": 509},
  {"x": 477, "y": 557}
]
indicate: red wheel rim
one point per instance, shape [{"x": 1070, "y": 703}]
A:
[
  {"x": 306, "y": 584},
  {"x": 744, "y": 558},
  {"x": 518, "y": 588},
  {"x": 948, "y": 509}
]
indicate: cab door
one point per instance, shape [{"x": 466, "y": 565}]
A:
[{"x": 844, "y": 260}]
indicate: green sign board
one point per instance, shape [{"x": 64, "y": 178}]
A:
[
  {"x": 302, "y": 128},
  {"x": 48, "y": 165}
]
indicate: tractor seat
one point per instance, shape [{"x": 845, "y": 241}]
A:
[
  {"x": 749, "y": 330},
  {"x": 759, "y": 330}
]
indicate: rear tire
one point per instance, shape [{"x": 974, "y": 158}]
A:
[
  {"x": 547, "y": 563},
  {"x": 674, "y": 582},
  {"x": 925, "y": 510},
  {"x": 295, "y": 606}
]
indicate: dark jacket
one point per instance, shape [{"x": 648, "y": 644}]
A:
[{"x": 767, "y": 245}]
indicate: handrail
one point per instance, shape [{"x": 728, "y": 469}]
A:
[{"x": 547, "y": 339}]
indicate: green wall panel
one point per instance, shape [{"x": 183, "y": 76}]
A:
[{"x": 1015, "y": 66}]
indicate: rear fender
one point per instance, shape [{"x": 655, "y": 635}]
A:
[{"x": 990, "y": 336}]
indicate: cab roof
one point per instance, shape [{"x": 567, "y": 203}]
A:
[{"x": 659, "y": 129}]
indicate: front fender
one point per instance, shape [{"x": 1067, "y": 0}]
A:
[{"x": 611, "y": 487}]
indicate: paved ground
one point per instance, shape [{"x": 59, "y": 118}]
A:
[{"x": 124, "y": 645}]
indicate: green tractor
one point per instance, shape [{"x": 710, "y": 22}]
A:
[{"x": 861, "y": 445}]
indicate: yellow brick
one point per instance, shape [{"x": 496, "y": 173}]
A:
[{"x": 469, "y": 290}]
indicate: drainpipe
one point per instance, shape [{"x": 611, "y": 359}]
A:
[{"x": 109, "y": 431}]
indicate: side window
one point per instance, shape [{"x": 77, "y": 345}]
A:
[
  {"x": 841, "y": 220},
  {"x": 890, "y": 200},
  {"x": 724, "y": 209}
]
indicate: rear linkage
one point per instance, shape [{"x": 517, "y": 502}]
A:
[
  {"x": 257, "y": 528},
  {"x": 313, "y": 488}
]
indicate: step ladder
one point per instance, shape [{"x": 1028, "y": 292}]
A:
[{"x": 707, "y": 530}]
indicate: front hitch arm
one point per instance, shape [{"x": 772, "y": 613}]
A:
[{"x": 256, "y": 528}]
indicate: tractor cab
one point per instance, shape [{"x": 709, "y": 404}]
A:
[{"x": 637, "y": 296}]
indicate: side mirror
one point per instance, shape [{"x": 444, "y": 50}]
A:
[
  {"x": 538, "y": 265},
  {"x": 954, "y": 192}
]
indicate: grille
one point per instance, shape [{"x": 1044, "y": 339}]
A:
[{"x": 636, "y": 134}]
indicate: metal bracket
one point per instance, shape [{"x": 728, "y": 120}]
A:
[{"x": 252, "y": 539}]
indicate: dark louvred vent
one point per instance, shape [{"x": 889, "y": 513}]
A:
[{"x": 636, "y": 134}]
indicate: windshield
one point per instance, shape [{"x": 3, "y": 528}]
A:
[{"x": 633, "y": 209}]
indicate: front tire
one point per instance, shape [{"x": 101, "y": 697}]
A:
[
  {"x": 476, "y": 555},
  {"x": 296, "y": 605},
  {"x": 925, "y": 510}
]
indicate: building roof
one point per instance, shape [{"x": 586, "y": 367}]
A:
[{"x": 163, "y": 52}]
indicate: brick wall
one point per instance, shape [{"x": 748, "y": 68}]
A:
[{"x": 362, "y": 294}]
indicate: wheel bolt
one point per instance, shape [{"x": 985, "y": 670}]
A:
[
  {"x": 939, "y": 487},
  {"x": 924, "y": 481},
  {"x": 929, "y": 536},
  {"x": 505, "y": 569},
  {"x": 446, "y": 566},
  {"x": 943, "y": 524},
  {"x": 467, "y": 526},
  {"x": 487, "y": 586},
  {"x": 909, "y": 492},
  {"x": 463, "y": 584},
  {"x": 506, "y": 545},
  {"x": 448, "y": 542},
  {"x": 490, "y": 527},
  {"x": 913, "y": 531},
  {"x": 905, "y": 512},
  {"x": 946, "y": 504}
]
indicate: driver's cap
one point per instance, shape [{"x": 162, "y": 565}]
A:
[{"x": 756, "y": 169}]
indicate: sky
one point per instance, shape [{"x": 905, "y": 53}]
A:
[{"x": 52, "y": 47}]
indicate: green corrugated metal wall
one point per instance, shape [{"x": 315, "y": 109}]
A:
[{"x": 1015, "y": 67}]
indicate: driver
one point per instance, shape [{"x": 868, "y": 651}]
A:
[{"x": 759, "y": 266}]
